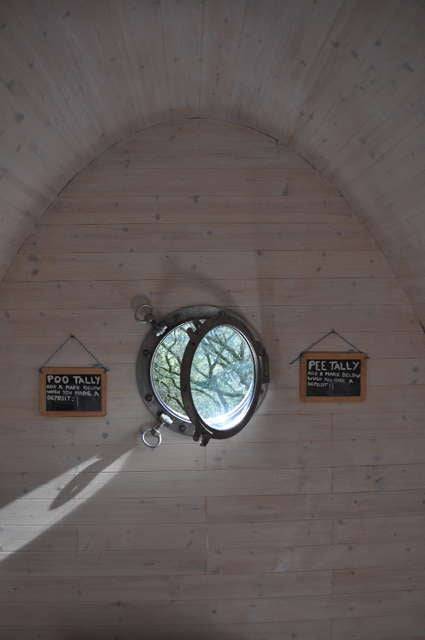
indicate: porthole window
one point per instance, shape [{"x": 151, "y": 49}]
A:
[
  {"x": 205, "y": 368},
  {"x": 165, "y": 370}
]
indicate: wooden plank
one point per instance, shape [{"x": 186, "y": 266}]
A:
[
  {"x": 29, "y": 351},
  {"x": 180, "y": 181},
  {"x": 278, "y": 400},
  {"x": 58, "y": 324},
  {"x": 199, "y": 143},
  {"x": 154, "y": 484},
  {"x": 215, "y": 265},
  {"x": 220, "y": 537},
  {"x": 399, "y": 424},
  {"x": 263, "y": 428},
  {"x": 117, "y": 295},
  {"x": 379, "y": 478},
  {"x": 130, "y": 511},
  {"x": 372, "y": 530},
  {"x": 118, "y": 563},
  {"x": 218, "y": 611},
  {"x": 122, "y": 379},
  {"x": 197, "y": 208},
  {"x": 142, "y": 58},
  {"x": 201, "y": 587},
  {"x": 267, "y": 535},
  {"x": 167, "y": 537},
  {"x": 220, "y": 45},
  {"x": 38, "y": 589},
  {"x": 179, "y": 137},
  {"x": 213, "y": 237},
  {"x": 389, "y": 627},
  {"x": 391, "y": 371},
  {"x": 323, "y": 557},
  {"x": 285, "y": 427},
  {"x": 15, "y": 537},
  {"x": 317, "y": 630},
  {"x": 168, "y": 456},
  {"x": 380, "y": 399},
  {"x": 257, "y": 508},
  {"x": 199, "y": 151},
  {"x": 337, "y": 453},
  {"x": 378, "y": 579},
  {"x": 181, "y": 38},
  {"x": 283, "y": 345}
]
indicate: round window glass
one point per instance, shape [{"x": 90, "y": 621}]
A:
[
  {"x": 165, "y": 370},
  {"x": 202, "y": 371},
  {"x": 222, "y": 377}
]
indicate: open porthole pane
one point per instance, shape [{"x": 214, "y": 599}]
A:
[
  {"x": 222, "y": 377},
  {"x": 165, "y": 370},
  {"x": 205, "y": 369}
]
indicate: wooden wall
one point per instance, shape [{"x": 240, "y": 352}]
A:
[
  {"x": 307, "y": 525},
  {"x": 342, "y": 80}
]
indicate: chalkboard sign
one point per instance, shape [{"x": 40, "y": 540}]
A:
[
  {"x": 73, "y": 391},
  {"x": 333, "y": 376}
]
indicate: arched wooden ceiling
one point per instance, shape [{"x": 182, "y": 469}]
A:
[{"x": 343, "y": 81}]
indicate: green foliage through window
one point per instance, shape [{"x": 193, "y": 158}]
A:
[{"x": 221, "y": 378}]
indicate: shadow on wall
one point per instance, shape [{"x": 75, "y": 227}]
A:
[
  {"x": 69, "y": 472},
  {"x": 176, "y": 287},
  {"x": 83, "y": 479},
  {"x": 32, "y": 515}
]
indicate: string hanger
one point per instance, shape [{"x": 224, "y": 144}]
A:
[
  {"x": 329, "y": 333},
  {"x": 61, "y": 346}
]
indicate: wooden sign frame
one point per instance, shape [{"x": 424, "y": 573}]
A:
[
  {"x": 332, "y": 355},
  {"x": 44, "y": 371}
]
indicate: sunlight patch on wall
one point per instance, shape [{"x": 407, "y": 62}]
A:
[{"x": 28, "y": 517}]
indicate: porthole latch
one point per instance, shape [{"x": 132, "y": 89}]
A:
[
  {"x": 152, "y": 437},
  {"x": 143, "y": 313},
  {"x": 201, "y": 435}
]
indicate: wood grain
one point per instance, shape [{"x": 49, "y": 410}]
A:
[{"x": 308, "y": 521}]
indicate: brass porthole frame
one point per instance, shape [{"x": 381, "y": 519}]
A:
[{"x": 204, "y": 318}]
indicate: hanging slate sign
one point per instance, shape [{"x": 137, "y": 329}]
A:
[
  {"x": 332, "y": 376},
  {"x": 72, "y": 391}
]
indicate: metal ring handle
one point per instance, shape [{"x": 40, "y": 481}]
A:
[
  {"x": 155, "y": 433},
  {"x": 144, "y": 313}
]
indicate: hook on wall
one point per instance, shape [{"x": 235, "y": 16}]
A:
[{"x": 144, "y": 314}]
